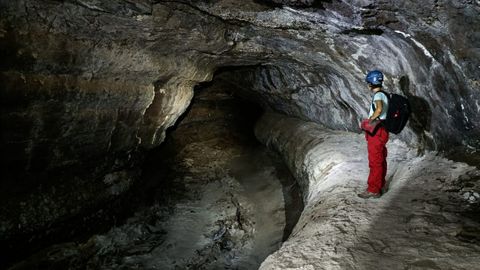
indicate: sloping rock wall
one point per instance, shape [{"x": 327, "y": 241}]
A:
[
  {"x": 88, "y": 86},
  {"x": 427, "y": 219}
]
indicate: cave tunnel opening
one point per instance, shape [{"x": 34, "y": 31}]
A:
[
  {"x": 231, "y": 201},
  {"x": 210, "y": 196}
]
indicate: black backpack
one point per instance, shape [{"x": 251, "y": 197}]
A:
[{"x": 397, "y": 114}]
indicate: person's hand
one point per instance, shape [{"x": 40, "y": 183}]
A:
[{"x": 364, "y": 124}]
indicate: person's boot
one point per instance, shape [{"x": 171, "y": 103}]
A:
[{"x": 367, "y": 194}]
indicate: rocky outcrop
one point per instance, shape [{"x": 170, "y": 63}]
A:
[
  {"x": 88, "y": 86},
  {"x": 427, "y": 219}
]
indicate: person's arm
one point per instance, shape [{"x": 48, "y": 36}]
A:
[{"x": 378, "y": 110}]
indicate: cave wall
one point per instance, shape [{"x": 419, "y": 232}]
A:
[
  {"x": 82, "y": 98},
  {"x": 88, "y": 86}
]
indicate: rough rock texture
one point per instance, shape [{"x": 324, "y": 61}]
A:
[
  {"x": 88, "y": 86},
  {"x": 212, "y": 197},
  {"x": 428, "y": 219}
]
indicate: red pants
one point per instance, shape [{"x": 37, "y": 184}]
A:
[{"x": 377, "y": 159}]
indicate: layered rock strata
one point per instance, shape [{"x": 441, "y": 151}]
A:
[{"x": 88, "y": 86}]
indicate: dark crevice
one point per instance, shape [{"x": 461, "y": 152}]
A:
[
  {"x": 318, "y": 4},
  {"x": 366, "y": 31}
]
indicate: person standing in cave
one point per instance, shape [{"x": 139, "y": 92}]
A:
[{"x": 376, "y": 136}]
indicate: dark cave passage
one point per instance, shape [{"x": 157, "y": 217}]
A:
[
  {"x": 211, "y": 197},
  {"x": 112, "y": 159},
  {"x": 232, "y": 201}
]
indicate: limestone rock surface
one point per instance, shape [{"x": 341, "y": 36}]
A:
[
  {"x": 427, "y": 219},
  {"x": 87, "y": 87}
]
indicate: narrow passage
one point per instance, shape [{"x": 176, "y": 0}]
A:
[{"x": 212, "y": 197}]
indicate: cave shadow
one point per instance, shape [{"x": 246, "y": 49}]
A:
[
  {"x": 292, "y": 193},
  {"x": 420, "y": 120},
  {"x": 421, "y": 117},
  {"x": 421, "y": 114},
  {"x": 247, "y": 114},
  {"x": 405, "y": 221},
  {"x": 293, "y": 198},
  {"x": 250, "y": 113}
]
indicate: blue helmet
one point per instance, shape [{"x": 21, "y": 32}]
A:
[{"x": 374, "y": 77}]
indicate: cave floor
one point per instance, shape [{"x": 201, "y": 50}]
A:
[
  {"x": 428, "y": 219},
  {"x": 233, "y": 207},
  {"x": 211, "y": 197},
  {"x": 218, "y": 203}
]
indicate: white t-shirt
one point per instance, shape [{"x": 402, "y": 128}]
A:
[{"x": 380, "y": 96}]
